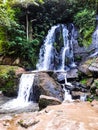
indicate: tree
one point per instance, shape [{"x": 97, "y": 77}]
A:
[{"x": 25, "y": 4}]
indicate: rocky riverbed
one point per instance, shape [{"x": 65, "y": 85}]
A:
[{"x": 67, "y": 116}]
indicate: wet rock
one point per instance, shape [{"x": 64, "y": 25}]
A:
[
  {"x": 78, "y": 94},
  {"x": 71, "y": 74},
  {"x": 77, "y": 86},
  {"x": 60, "y": 76},
  {"x": 46, "y": 85},
  {"x": 45, "y": 101}
]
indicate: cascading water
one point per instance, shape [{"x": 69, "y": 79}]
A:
[
  {"x": 67, "y": 95},
  {"x": 66, "y": 46},
  {"x": 46, "y": 50},
  {"x": 25, "y": 86},
  {"x": 67, "y": 53},
  {"x": 83, "y": 97},
  {"x": 57, "y": 54}
]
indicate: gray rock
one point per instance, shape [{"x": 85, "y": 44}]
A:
[
  {"x": 46, "y": 85},
  {"x": 94, "y": 65},
  {"x": 78, "y": 94},
  {"x": 71, "y": 74},
  {"x": 84, "y": 68}
]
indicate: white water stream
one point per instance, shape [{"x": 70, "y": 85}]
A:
[
  {"x": 46, "y": 51},
  {"x": 67, "y": 95},
  {"x": 25, "y": 86}
]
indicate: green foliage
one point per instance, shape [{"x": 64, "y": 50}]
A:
[
  {"x": 7, "y": 78},
  {"x": 89, "y": 99},
  {"x": 6, "y": 70},
  {"x": 7, "y": 21},
  {"x": 85, "y": 20},
  {"x": 84, "y": 81},
  {"x": 6, "y": 16}
]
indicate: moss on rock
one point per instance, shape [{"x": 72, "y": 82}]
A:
[{"x": 9, "y": 80}]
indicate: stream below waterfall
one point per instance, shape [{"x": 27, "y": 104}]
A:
[{"x": 22, "y": 102}]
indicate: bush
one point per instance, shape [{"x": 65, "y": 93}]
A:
[{"x": 85, "y": 20}]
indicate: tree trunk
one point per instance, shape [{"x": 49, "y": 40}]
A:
[
  {"x": 30, "y": 30},
  {"x": 27, "y": 25}
]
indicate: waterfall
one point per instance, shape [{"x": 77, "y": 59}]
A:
[
  {"x": 66, "y": 46},
  {"x": 25, "y": 86},
  {"x": 83, "y": 97},
  {"x": 57, "y": 51},
  {"x": 67, "y": 53},
  {"x": 67, "y": 95},
  {"x": 45, "y": 55},
  {"x": 22, "y": 100}
]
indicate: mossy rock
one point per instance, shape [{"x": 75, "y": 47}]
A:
[
  {"x": 9, "y": 80},
  {"x": 4, "y": 69}
]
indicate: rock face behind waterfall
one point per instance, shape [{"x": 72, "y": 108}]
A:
[{"x": 46, "y": 85}]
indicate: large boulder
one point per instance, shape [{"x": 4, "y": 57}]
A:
[
  {"x": 46, "y": 85},
  {"x": 45, "y": 101}
]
